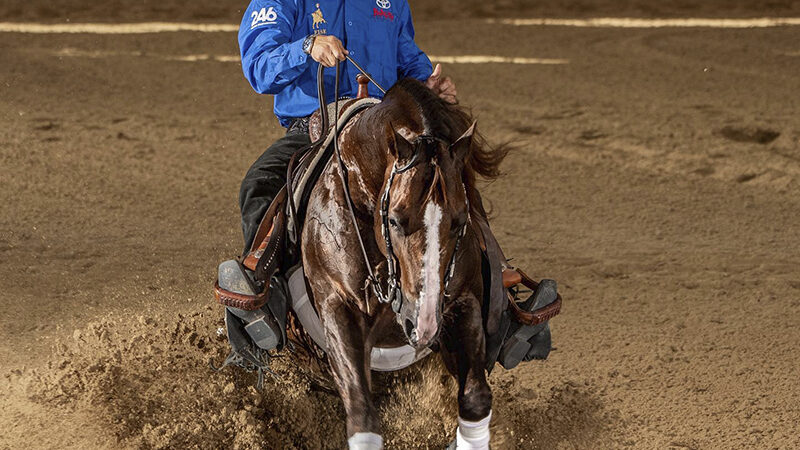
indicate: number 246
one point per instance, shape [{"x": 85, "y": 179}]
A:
[{"x": 265, "y": 15}]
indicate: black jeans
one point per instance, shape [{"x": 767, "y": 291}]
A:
[{"x": 264, "y": 180}]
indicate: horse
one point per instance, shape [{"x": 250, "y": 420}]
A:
[{"x": 408, "y": 168}]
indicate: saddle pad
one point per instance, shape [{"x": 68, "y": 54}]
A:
[{"x": 382, "y": 359}]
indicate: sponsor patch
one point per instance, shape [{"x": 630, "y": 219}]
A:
[
  {"x": 381, "y": 14},
  {"x": 266, "y": 16}
]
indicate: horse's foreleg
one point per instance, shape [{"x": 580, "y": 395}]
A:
[
  {"x": 345, "y": 330},
  {"x": 464, "y": 355}
]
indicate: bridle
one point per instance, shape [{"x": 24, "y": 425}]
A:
[{"x": 393, "y": 292}]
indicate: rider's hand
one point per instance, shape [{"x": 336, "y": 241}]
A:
[
  {"x": 443, "y": 87},
  {"x": 327, "y": 49}
]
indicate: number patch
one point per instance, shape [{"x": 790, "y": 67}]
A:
[{"x": 264, "y": 17}]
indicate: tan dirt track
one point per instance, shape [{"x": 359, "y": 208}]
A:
[{"x": 656, "y": 178}]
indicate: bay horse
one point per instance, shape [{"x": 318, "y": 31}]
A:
[{"x": 410, "y": 165}]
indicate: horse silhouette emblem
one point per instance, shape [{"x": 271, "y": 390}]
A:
[{"x": 316, "y": 16}]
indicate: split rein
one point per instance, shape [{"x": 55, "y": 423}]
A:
[{"x": 393, "y": 292}]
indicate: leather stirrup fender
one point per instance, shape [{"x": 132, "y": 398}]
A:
[
  {"x": 266, "y": 229},
  {"x": 497, "y": 261}
]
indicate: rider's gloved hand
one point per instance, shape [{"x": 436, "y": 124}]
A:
[
  {"x": 327, "y": 49},
  {"x": 443, "y": 87}
]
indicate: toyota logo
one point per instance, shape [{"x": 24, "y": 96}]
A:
[{"x": 383, "y": 4}]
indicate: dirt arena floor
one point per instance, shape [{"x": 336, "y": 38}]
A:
[{"x": 656, "y": 177}]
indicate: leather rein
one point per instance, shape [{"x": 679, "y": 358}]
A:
[{"x": 393, "y": 292}]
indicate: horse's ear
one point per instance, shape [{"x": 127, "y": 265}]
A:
[
  {"x": 460, "y": 148},
  {"x": 400, "y": 148}
]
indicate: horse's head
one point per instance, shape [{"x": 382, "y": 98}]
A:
[{"x": 424, "y": 212}]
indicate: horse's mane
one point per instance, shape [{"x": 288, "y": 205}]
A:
[{"x": 448, "y": 122}]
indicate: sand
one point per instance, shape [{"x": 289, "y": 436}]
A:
[{"x": 655, "y": 176}]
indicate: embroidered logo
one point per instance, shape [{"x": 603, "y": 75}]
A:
[
  {"x": 317, "y": 18},
  {"x": 382, "y": 14},
  {"x": 383, "y": 4},
  {"x": 264, "y": 17}
]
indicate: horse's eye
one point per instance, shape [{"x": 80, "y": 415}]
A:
[
  {"x": 393, "y": 223},
  {"x": 458, "y": 224}
]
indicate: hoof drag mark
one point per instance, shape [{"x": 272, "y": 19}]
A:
[
  {"x": 590, "y": 135},
  {"x": 48, "y": 125},
  {"x": 744, "y": 178},
  {"x": 124, "y": 137},
  {"x": 749, "y": 134},
  {"x": 704, "y": 171},
  {"x": 567, "y": 114},
  {"x": 528, "y": 129}
]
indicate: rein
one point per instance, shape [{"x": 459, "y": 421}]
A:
[{"x": 393, "y": 292}]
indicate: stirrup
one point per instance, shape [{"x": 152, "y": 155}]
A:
[
  {"x": 527, "y": 336},
  {"x": 260, "y": 325}
]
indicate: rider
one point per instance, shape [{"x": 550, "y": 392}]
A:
[{"x": 278, "y": 40}]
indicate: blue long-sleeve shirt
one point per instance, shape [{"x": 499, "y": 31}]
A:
[{"x": 378, "y": 33}]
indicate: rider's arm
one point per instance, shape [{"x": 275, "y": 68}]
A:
[
  {"x": 270, "y": 59},
  {"x": 411, "y": 61}
]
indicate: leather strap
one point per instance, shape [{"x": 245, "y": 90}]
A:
[
  {"x": 536, "y": 316},
  {"x": 265, "y": 230},
  {"x": 241, "y": 301},
  {"x": 511, "y": 277},
  {"x": 268, "y": 262}
]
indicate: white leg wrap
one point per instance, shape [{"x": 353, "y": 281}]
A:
[
  {"x": 365, "y": 441},
  {"x": 473, "y": 435}
]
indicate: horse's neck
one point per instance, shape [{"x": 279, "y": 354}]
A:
[{"x": 366, "y": 159}]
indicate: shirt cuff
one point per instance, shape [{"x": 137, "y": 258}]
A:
[
  {"x": 423, "y": 68},
  {"x": 297, "y": 57}
]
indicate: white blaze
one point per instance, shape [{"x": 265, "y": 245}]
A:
[{"x": 431, "y": 278}]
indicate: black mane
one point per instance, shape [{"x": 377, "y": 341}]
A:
[
  {"x": 442, "y": 118},
  {"x": 448, "y": 122}
]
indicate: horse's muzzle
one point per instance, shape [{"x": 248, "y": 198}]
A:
[{"x": 421, "y": 330}]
